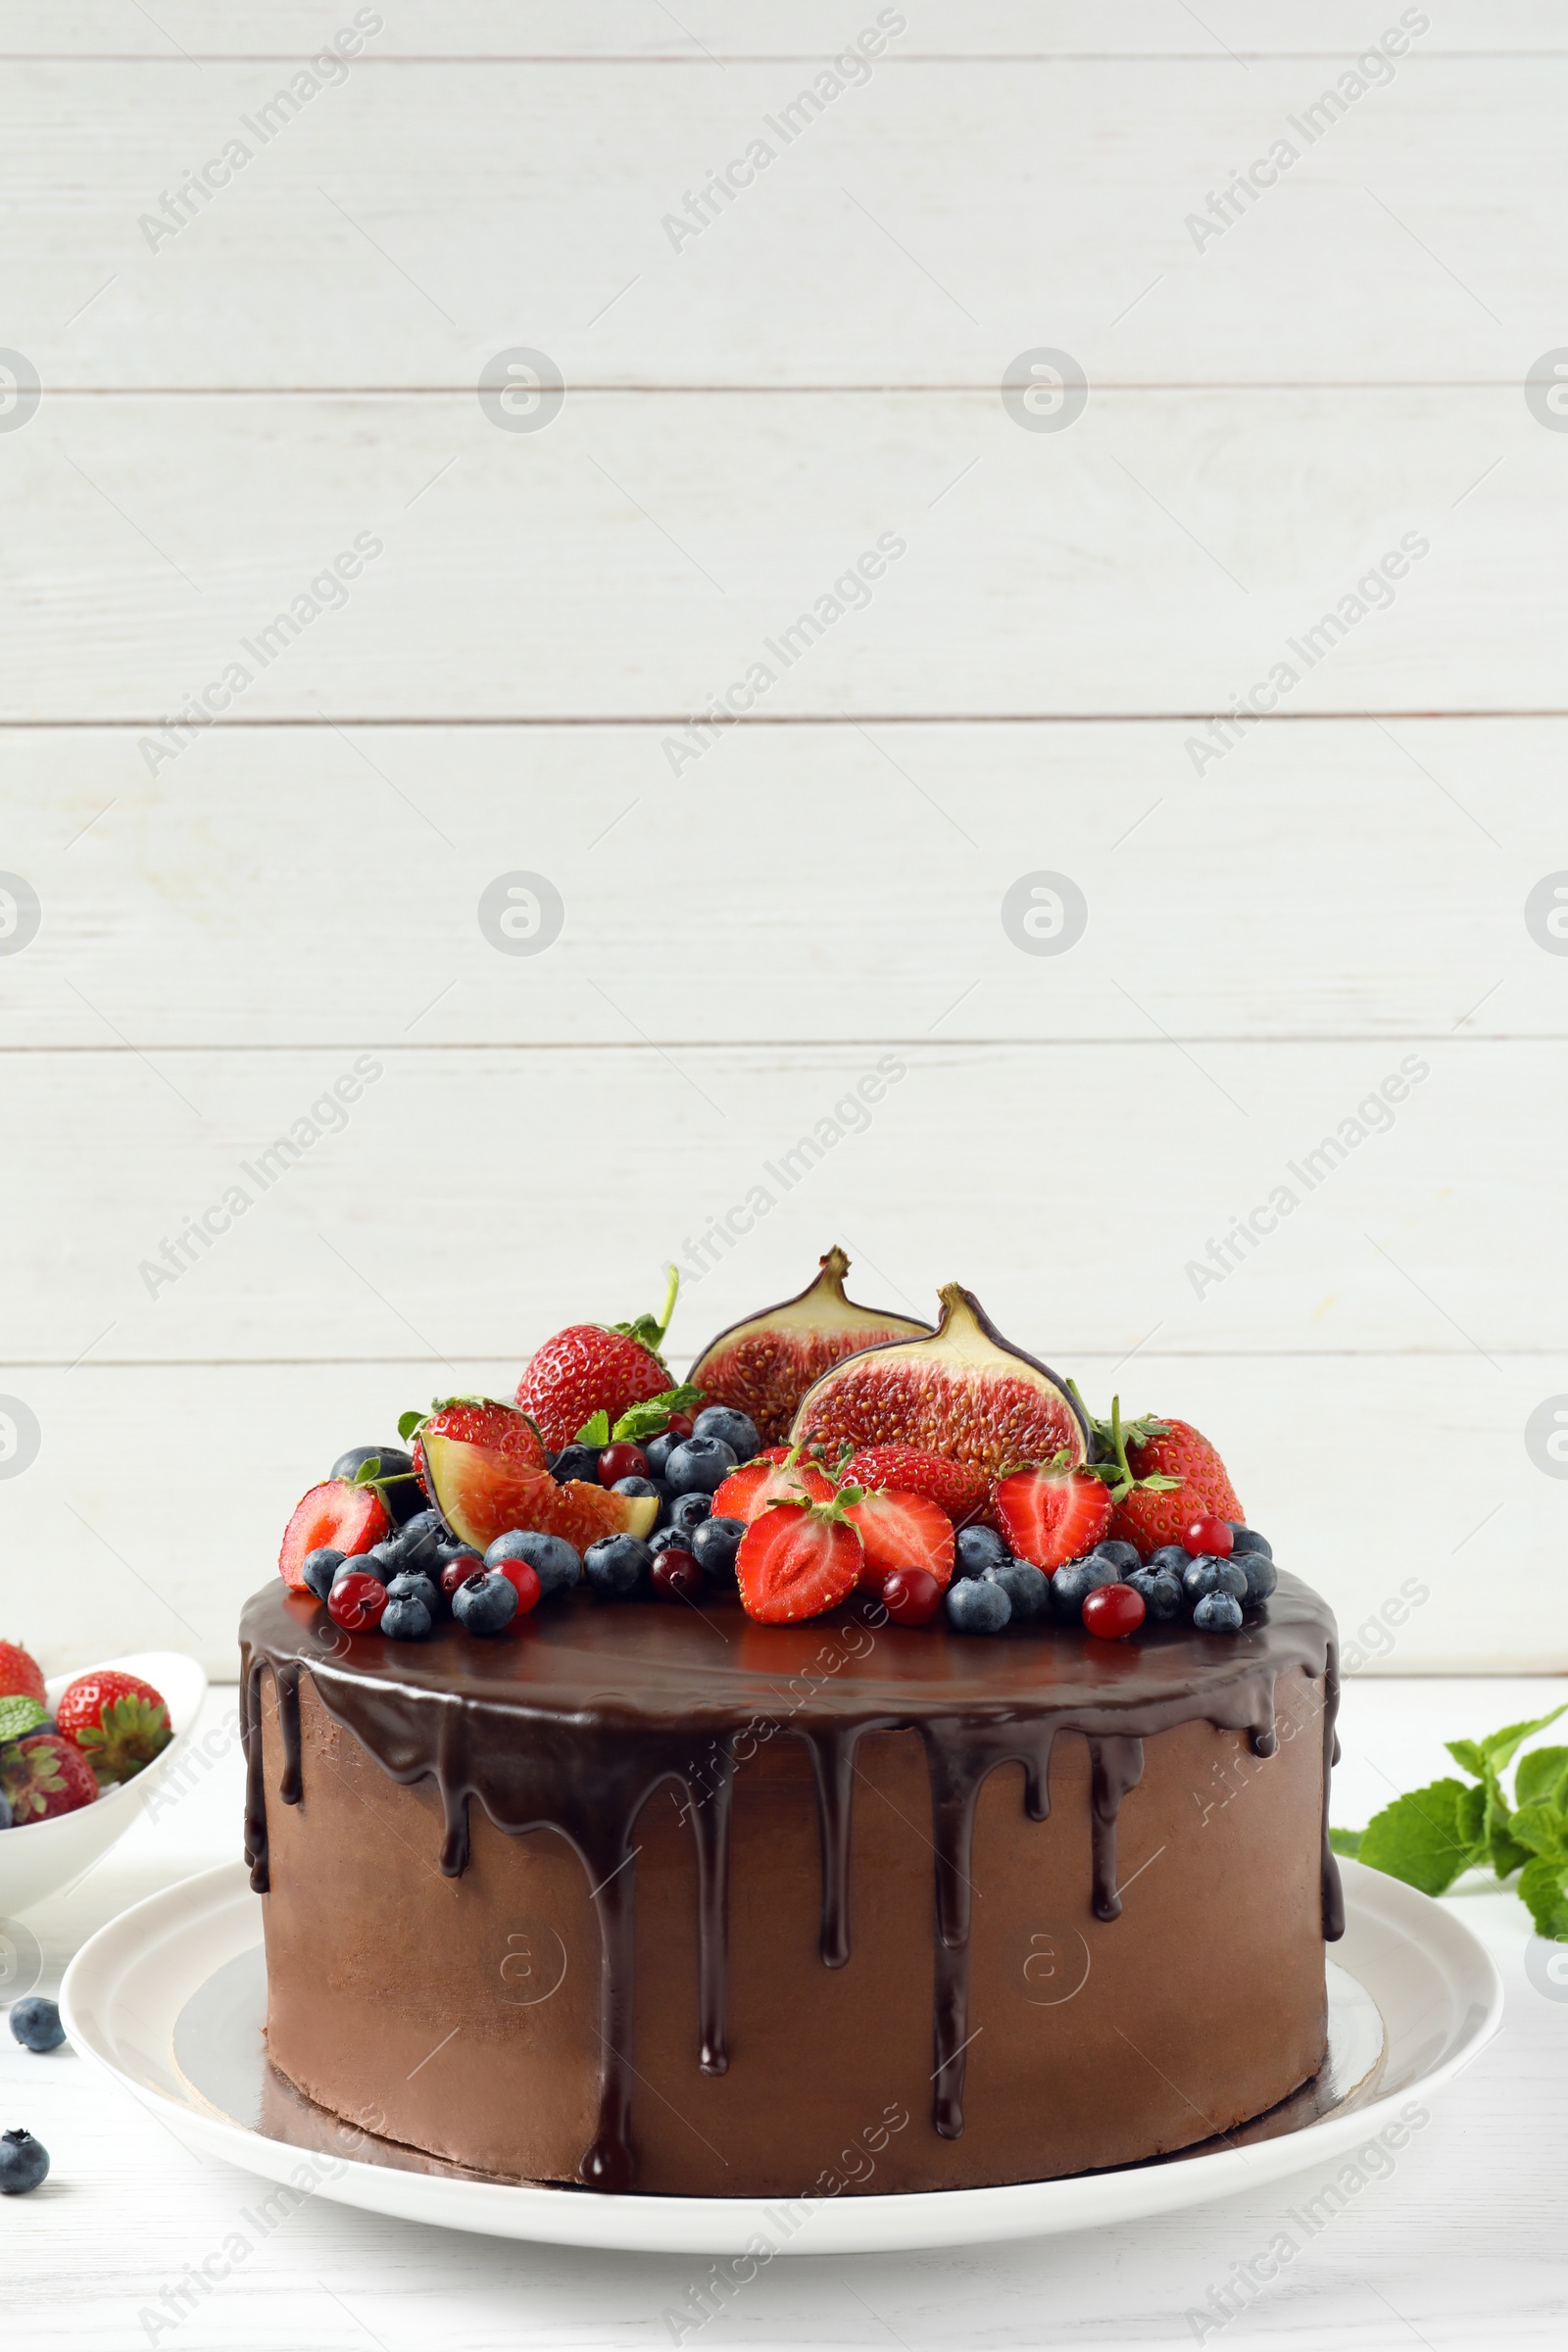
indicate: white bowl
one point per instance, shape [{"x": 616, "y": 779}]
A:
[{"x": 37, "y": 1858}]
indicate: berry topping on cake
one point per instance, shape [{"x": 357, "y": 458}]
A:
[
  {"x": 1113, "y": 1611},
  {"x": 118, "y": 1721},
  {"x": 798, "y": 1558},
  {"x": 901, "y": 1531},
  {"x": 977, "y": 1606},
  {"x": 977, "y": 1549},
  {"x": 338, "y": 1515},
  {"x": 485, "y": 1467},
  {"x": 20, "y": 1675},
  {"x": 675, "y": 1575},
  {"x": 485, "y": 1603},
  {"x": 911, "y": 1596},
  {"x": 616, "y": 1565},
  {"x": 44, "y": 1776},
  {"x": 763, "y": 1366},
  {"x": 738, "y": 1431},
  {"x": 961, "y": 1487},
  {"x": 357, "y": 1601},
  {"x": 621, "y": 1461},
  {"x": 1052, "y": 1516},
  {"x": 698, "y": 1465},
  {"x": 592, "y": 1368},
  {"x": 1028, "y": 1590},
  {"x": 1210, "y": 1533},
  {"x": 1162, "y": 1476},
  {"x": 962, "y": 1392}
]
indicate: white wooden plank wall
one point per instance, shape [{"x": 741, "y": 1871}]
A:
[{"x": 1319, "y": 408}]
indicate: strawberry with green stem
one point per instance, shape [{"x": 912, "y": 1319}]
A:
[
  {"x": 798, "y": 1557},
  {"x": 1162, "y": 1475},
  {"x": 592, "y": 1368}
]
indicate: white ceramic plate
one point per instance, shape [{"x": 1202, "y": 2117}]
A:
[
  {"x": 170, "y": 1996},
  {"x": 41, "y": 1857}
]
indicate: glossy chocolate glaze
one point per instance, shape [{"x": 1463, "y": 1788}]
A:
[{"x": 572, "y": 1724}]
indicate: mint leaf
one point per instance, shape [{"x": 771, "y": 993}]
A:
[
  {"x": 408, "y": 1423},
  {"x": 1346, "y": 1842},
  {"x": 1543, "y": 1829},
  {"x": 19, "y": 1715},
  {"x": 1543, "y": 1887},
  {"x": 1499, "y": 1748},
  {"x": 368, "y": 1471},
  {"x": 1503, "y": 1849},
  {"x": 1468, "y": 1753},
  {"x": 1539, "y": 1774},
  {"x": 1426, "y": 1838},
  {"x": 647, "y": 1419},
  {"x": 595, "y": 1430}
]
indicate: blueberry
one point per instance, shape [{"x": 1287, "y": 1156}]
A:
[
  {"x": 1071, "y": 1585},
  {"x": 1161, "y": 1594},
  {"x": 714, "y": 1543},
  {"x": 688, "y": 1511},
  {"x": 615, "y": 1564},
  {"x": 551, "y": 1557},
  {"x": 484, "y": 1603},
  {"x": 404, "y": 1496},
  {"x": 1123, "y": 1557},
  {"x": 24, "y": 2163},
  {"x": 637, "y": 1486},
  {"x": 1218, "y": 1613},
  {"x": 737, "y": 1431},
  {"x": 1207, "y": 1575},
  {"x": 411, "y": 1584},
  {"x": 419, "y": 1543},
  {"x": 669, "y": 1538},
  {"x": 577, "y": 1462},
  {"x": 1261, "y": 1572},
  {"x": 36, "y": 2022},
  {"x": 320, "y": 1567},
  {"x": 1028, "y": 1589},
  {"x": 1247, "y": 1538},
  {"x": 5, "y": 1811},
  {"x": 699, "y": 1466},
  {"x": 409, "y": 1620},
  {"x": 374, "y": 1562},
  {"x": 1171, "y": 1560},
  {"x": 659, "y": 1450},
  {"x": 977, "y": 1606},
  {"x": 977, "y": 1549}
]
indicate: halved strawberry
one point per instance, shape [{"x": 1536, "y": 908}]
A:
[
  {"x": 961, "y": 1487},
  {"x": 118, "y": 1721},
  {"x": 1051, "y": 1516},
  {"x": 798, "y": 1559},
  {"x": 902, "y": 1531},
  {"x": 485, "y": 1470},
  {"x": 348, "y": 1517},
  {"x": 775, "y": 1476}
]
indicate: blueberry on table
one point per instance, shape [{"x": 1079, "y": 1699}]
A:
[
  {"x": 615, "y": 1564},
  {"x": 977, "y": 1606},
  {"x": 736, "y": 1430},
  {"x": 1161, "y": 1594},
  {"x": 484, "y": 1603},
  {"x": 554, "y": 1561},
  {"x": 688, "y": 1511},
  {"x": 24, "y": 2163},
  {"x": 699, "y": 1466},
  {"x": 406, "y": 1620},
  {"x": 977, "y": 1549},
  {"x": 1207, "y": 1575},
  {"x": 36, "y": 2022},
  {"x": 319, "y": 1568},
  {"x": 1218, "y": 1613},
  {"x": 714, "y": 1543},
  {"x": 577, "y": 1462},
  {"x": 1028, "y": 1589},
  {"x": 1247, "y": 1538}
]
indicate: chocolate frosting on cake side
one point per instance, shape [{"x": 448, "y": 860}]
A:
[{"x": 572, "y": 1724}]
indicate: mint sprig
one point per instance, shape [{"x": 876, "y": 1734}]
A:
[
  {"x": 638, "y": 1421},
  {"x": 1430, "y": 1836}
]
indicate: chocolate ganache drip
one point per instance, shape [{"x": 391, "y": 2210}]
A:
[{"x": 575, "y": 1724}]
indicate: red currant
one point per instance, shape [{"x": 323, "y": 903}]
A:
[
  {"x": 1209, "y": 1534},
  {"x": 524, "y": 1578},
  {"x": 676, "y": 1575},
  {"x": 458, "y": 1570},
  {"x": 625, "y": 1461},
  {"x": 357, "y": 1601},
  {"x": 682, "y": 1424},
  {"x": 1113, "y": 1611},
  {"x": 911, "y": 1596}
]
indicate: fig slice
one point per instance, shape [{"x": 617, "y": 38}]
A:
[
  {"x": 764, "y": 1365},
  {"x": 964, "y": 1391}
]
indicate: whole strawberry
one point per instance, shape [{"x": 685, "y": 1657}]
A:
[
  {"x": 592, "y": 1368},
  {"x": 961, "y": 1487},
  {"x": 20, "y": 1675},
  {"x": 44, "y": 1777},
  {"x": 1162, "y": 1475},
  {"x": 118, "y": 1722}
]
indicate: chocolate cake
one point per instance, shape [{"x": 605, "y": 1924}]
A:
[{"x": 656, "y": 1897}]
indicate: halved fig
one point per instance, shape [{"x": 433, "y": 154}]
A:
[
  {"x": 964, "y": 1391},
  {"x": 484, "y": 1469},
  {"x": 764, "y": 1365}
]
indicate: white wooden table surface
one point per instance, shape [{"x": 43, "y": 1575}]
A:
[{"x": 1461, "y": 2247}]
